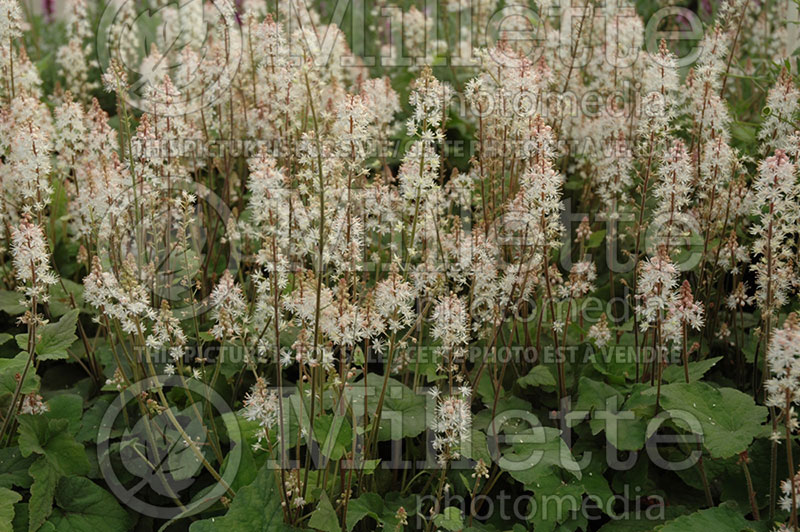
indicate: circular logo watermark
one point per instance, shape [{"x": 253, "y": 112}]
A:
[
  {"x": 144, "y": 452},
  {"x": 198, "y": 44},
  {"x": 176, "y": 231}
]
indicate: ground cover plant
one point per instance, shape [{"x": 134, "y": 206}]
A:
[{"x": 445, "y": 265}]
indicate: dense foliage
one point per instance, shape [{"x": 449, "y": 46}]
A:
[{"x": 467, "y": 265}]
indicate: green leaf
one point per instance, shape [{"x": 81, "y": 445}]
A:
[
  {"x": 7, "y": 500},
  {"x": 593, "y": 395},
  {"x": 20, "y": 523},
  {"x": 45, "y": 479},
  {"x": 403, "y": 413},
  {"x": 723, "y": 518},
  {"x": 476, "y": 447},
  {"x": 743, "y": 133},
  {"x": 53, "y": 339},
  {"x": 83, "y": 506},
  {"x": 450, "y": 519},
  {"x": 696, "y": 370},
  {"x": 90, "y": 422},
  {"x": 623, "y": 429},
  {"x": 615, "y": 361},
  {"x": 9, "y": 369},
  {"x": 334, "y": 435},
  {"x": 9, "y": 303},
  {"x": 51, "y": 437},
  {"x": 729, "y": 418},
  {"x": 555, "y": 501},
  {"x": 14, "y": 468},
  {"x": 538, "y": 376},
  {"x": 60, "y": 301},
  {"x": 638, "y": 521},
  {"x": 256, "y": 507},
  {"x": 369, "y": 504},
  {"x": 382, "y": 509},
  {"x": 595, "y": 239},
  {"x": 538, "y": 453},
  {"x": 5, "y": 337},
  {"x": 67, "y": 406},
  {"x": 324, "y": 517}
]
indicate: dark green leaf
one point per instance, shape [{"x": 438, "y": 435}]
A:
[
  {"x": 45, "y": 478},
  {"x": 51, "y": 437},
  {"x": 10, "y": 368},
  {"x": 83, "y": 506},
  {"x": 724, "y": 518},
  {"x": 257, "y": 507},
  {"x": 14, "y": 468},
  {"x": 538, "y": 376}
]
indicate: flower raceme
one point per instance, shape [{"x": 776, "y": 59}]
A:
[{"x": 32, "y": 260}]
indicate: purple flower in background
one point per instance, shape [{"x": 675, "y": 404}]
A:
[
  {"x": 238, "y": 12},
  {"x": 48, "y": 9}
]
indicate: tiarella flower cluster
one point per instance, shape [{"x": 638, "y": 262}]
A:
[
  {"x": 451, "y": 423},
  {"x": 783, "y": 358},
  {"x": 228, "y": 308},
  {"x": 581, "y": 280},
  {"x": 450, "y": 328},
  {"x": 776, "y": 203},
  {"x": 673, "y": 193},
  {"x": 261, "y": 405},
  {"x": 657, "y": 284},
  {"x": 32, "y": 260},
  {"x": 123, "y": 300},
  {"x": 600, "y": 333}
]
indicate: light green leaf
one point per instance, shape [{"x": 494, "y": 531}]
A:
[
  {"x": 90, "y": 422},
  {"x": 450, "y": 519},
  {"x": 555, "y": 502},
  {"x": 595, "y": 239},
  {"x": 643, "y": 521},
  {"x": 334, "y": 435},
  {"x": 729, "y": 418},
  {"x": 53, "y": 339},
  {"x": 7, "y": 500},
  {"x": 476, "y": 447},
  {"x": 9, "y": 303},
  {"x": 593, "y": 395},
  {"x": 324, "y": 517}
]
